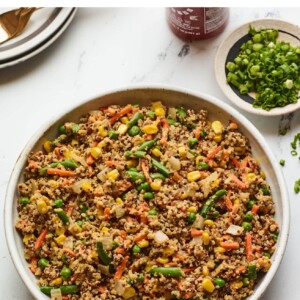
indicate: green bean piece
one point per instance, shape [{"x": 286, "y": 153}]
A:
[
  {"x": 161, "y": 168},
  {"x": 66, "y": 273},
  {"x": 136, "y": 117},
  {"x": 113, "y": 134},
  {"x": 133, "y": 169},
  {"x": 62, "y": 215},
  {"x": 134, "y": 130},
  {"x": 58, "y": 203},
  {"x": 181, "y": 113},
  {"x": 172, "y": 122},
  {"x": 140, "y": 154},
  {"x": 167, "y": 271},
  {"x": 152, "y": 212},
  {"x": 141, "y": 278},
  {"x": 43, "y": 263},
  {"x": 144, "y": 187},
  {"x": 62, "y": 129},
  {"x": 69, "y": 163},
  {"x": 252, "y": 272},
  {"x": 103, "y": 256},
  {"x": 64, "y": 258},
  {"x": 203, "y": 165},
  {"x": 282, "y": 162},
  {"x": 265, "y": 191},
  {"x": 245, "y": 281},
  {"x": 193, "y": 142},
  {"x": 46, "y": 290},
  {"x": 115, "y": 245},
  {"x": 247, "y": 226},
  {"x": 65, "y": 289},
  {"x": 135, "y": 176},
  {"x": 191, "y": 218},
  {"x": 220, "y": 282},
  {"x": 250, "y": 204},
  {"x": 209, "y": 204},
  {"x": 297, "y": 186},
  {"x": 24, "y": 200},
  {"x": 148, "y": 195},
  {"x": 158, "y": 176},
  {"x": 147, "y": 145},
  {"x": 136, "y": 249},
  {"x": 151, "y": 115}
]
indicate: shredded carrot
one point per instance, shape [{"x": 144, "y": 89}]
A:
[
  {"x": 107, "y": 211},
  {"x": 248, "y": 246},
  {"x": 59, "y": 172},
  {"x": 144, "y": 219},
  {"x": 172, "y": 264},
  {"x": 255, "y": 209},
  {"x": 70, "y": 210},
  {"x": 41, "y": 239},
  {"x": 165, "y": 131},
  {"x": 213, "y": 152},
  {"x": 111, "y": 163},
  {"x": 74, "y": 277},
  {"x": 33, "y": 164},
  {"x": 33, "y": 265},
  {"x": 230, "y": 245},
  {"x": 121, "y": 268},
  {"x": 197, "y": 133},
  {"x": 69, "y": 251},
  {"x": 195, "y": 232},
  {"x": 57, "y": 152},
  {"x": 237, "y": 181},
  {"x": 235, "y": 162},
  {"x": 188, "y": 270},
  {"x": 89, "y": 159},
  {"x": 145, "y": 170},
  {"x": 123, "y": 234},
  {"x": 140, "y": 237},
  {"x": 120, "y": 250},
  {"x": 241, "y": 269},
  {"x": 149, "y": 137},
  {"x": 176, "y": 176},
  {"x": 101, "y": 289},
  {"x": 228, "y": 201},
  {"x": 124, "y": 111},
  {"x": 244, "y": 163}
]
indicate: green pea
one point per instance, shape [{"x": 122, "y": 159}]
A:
[
  {"x": 136, "y": 249},
  {"x": 247, "y": 226},
  {"x": 152, "y": 212},
  {"x": 203, "y": 165},
  {"x": 245, "y": 281},
  {"x": 265, "y": 191},
  {"x": 140, "y": 278},
  {"x": 193, "y": 142},
  {"x": 203, "y": 134},
  {"x": 150, "y": 114},
  {"x": 79, "y": 223},
  {"x": 64, "y": 258},
  {"x": 115, "y": 245},
  {"x": 66, "y": 273},
  {"x": 248, "y": 217},
  {"x": 75, "y": 127},
  {"x": 62, "y": 129},
  {"x": 250, "y": 204},
  {"x": 148, "y": 195},
  {"x": 191, "y": 218},
  {"x": 220, "y": 282},
  {"x": 129, "y": 280},
  {"x": 181, "y": 113},
  {"x": 144, "y": 186},
  {"x": 267, "y": 254},
  {"x": 58, "y": 203},
  {"x": 43, "y": 263},
  {"x": 24, "y": 201},
  {"x": 113, "y": 134},
  {"x": 134, "y": 130}
]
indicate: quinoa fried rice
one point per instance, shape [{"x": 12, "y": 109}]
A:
[{"x": 146, "y": 203}]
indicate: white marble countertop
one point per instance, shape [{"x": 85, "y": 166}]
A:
[{"x": 106, "y": 48}]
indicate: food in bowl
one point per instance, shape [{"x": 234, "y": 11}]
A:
[{"x": 146, "y": 202}]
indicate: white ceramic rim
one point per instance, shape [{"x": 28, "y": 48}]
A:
[
  {"x": 9, "y": 208},
  {"x": 44, "y": 45},
  {"x": 221, "y": 56}
]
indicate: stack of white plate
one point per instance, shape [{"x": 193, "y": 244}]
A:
[{"x": 43, "y": 28}]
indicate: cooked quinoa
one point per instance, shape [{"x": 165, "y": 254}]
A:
[{"x": 146, "y": 203}]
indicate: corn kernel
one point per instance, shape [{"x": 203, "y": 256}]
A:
[
  {"x": 156, "y": 184},
  {"x": 60, "y": 230},
  {"x": 150, "y": 129},
  {"x": 156, "y": 104},
  {"x": 131, "y": 163},
  {"x": 182, "y": 151},
  {"x": 184, "y": 195},
  {"x": 198, "y": 159},
  {"x": 74, "y": 142},
  {"x": 60, "y": 239},
  {"x": 42, "y": 206},
  {"x": 236, "y": 285},
  {"x": 47, "y": 146},
  {"x": 205, "y": 238},
  {"x": 86, "y": 186},
  {"x": 156, "y": 152},
  {"x": 215, "y": 183},
  {"x": 143, "y": 243},
  {"x": 53, "y": 244},
  {"x": 100, "y": 212},
  {"x": 114, "y": 174},
  {"x": 217, "y": 127},
  {"x": 67, "y": 154},
  {"x": 222, "y": 164},
  {"x": 102, "y": 144},
  {"x": 102, "y": 131},
  {"x": 205, "y": 271},
  {"x": 129, "y": 293},
  {"x": 193, "y": 176},
  {"x": 209, "y": 222},
  {"x": 218, "y": 138},
  {"x": 96, "y": 152},
  {"x": 94, "y": 254},
  {"x": 124, "y": 120},
  {"x": 192, "y": 209},
  {"x": 149, "y": 266},
  {"x": 119, "y": 201},
  {"x": 263, "y": 175},
  {"x": 122, "y": 129},
  {"x": 56, "y": 282},
  {"x": 168, "y": 251},
  {"x": 236, "y": 202},
  {"x": 104, "y": 229},
  {"x": 75, "y": 228},
  {"x": 53, "y": 183},
  {"x": 208, "y": 285},
  {"x": 250, "y": 176},
  {"x": 220, "y": 250},
  {"x": 27, "y": 238},
  {"x": 162, "y": 260},
  {"x": 159, "y": 111}
]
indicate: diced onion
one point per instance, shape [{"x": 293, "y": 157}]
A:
[
  {"x": 234, "y": 229},
  {"x": 175, "y": 163},
  {"x": 107, "y": 242},
  {"x": 199, "y": 222},
  {"x": 120, "y": 211},
  {"x": 104, "y": 269},
  {"x": 56, "y": 294},
  {"x": 68, "y": 243},
  {"x": 102, "y": 175},
  {"x": 77, "y": 185},
  {"x": 172, "y": 113},
  {"x": 79, "y": 159},
  {"x": 120, "y": 287},
  {"x": 160, "y": 237}
]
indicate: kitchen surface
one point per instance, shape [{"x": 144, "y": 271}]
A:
[{"x": 109, "y": 48}]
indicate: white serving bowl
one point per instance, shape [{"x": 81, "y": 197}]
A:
[{"x": 217, "y": 110}]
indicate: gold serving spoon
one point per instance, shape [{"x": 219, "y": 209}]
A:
[{"x": 13, "y": 22}]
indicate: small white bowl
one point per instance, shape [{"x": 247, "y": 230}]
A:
[
  {"x": 229, "y": 49},
  {"x": 171, "y": 96}
]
